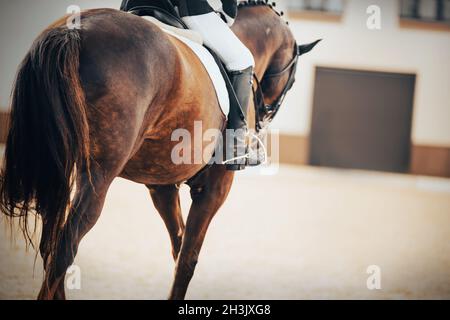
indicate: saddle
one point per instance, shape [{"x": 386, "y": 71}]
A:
[
  {"x": 163, "y": 10},
  {"x": 166, "y": 12}
]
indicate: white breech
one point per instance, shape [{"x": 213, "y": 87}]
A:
[{"x": 219, "y": 37}]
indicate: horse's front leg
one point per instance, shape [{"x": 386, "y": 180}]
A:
[
  {"x": 167, "y": 201},
  {"x": 208, "y": 191}
]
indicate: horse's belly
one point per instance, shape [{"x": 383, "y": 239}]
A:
[
  {"x": 153, "y": 165},
  {"x": 157, "y": 163}
]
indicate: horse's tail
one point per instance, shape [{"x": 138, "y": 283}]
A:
[{"x": 48, "y": 141}]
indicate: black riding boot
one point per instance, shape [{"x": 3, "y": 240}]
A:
[{"x": 236, "y": 151}]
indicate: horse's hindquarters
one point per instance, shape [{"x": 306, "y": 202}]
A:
[{"x": 177, "y": 141}]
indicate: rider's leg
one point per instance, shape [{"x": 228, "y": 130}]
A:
[
  {"x": 219, "y": 37},
  {"x": 237, "y": 152},
  {"x": 240, "y": 63}
]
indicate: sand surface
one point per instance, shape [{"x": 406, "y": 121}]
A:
[{"x": 303, "y": 233}]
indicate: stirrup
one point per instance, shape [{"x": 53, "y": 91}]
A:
[
  {"x": 231, "y": 165},
  {"x": 256, "y": 158},
  {"x": 235, "y": 167},
  {"x": 257, "y": 150},
  {"x": 252, "y": 157}
]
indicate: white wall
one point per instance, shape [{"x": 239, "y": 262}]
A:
[
  {"x": 21, "y": 21},
  {"x": 350, "y": 44}
]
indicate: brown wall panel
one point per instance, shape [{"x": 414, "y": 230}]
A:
[
  {"x": 4, "y": 117},
  {"x": 430, "y": 160},
  {"x": 425, "y": 160},
  {"x": 294, "y": 149}
]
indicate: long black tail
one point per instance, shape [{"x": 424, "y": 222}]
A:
[{"x": 48, "y": 141}]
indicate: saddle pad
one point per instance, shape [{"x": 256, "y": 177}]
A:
[{"x": 194, "y": 41}]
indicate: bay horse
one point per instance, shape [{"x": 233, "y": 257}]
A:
[{"x": 100, "y": 102}]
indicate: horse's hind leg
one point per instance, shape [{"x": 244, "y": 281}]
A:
[
  {"x": 209, "y": 191},
  {"x": 167, "y": 201},
  {"x": 83, "y": 215},
  {"x": 45, "y": 253}
]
